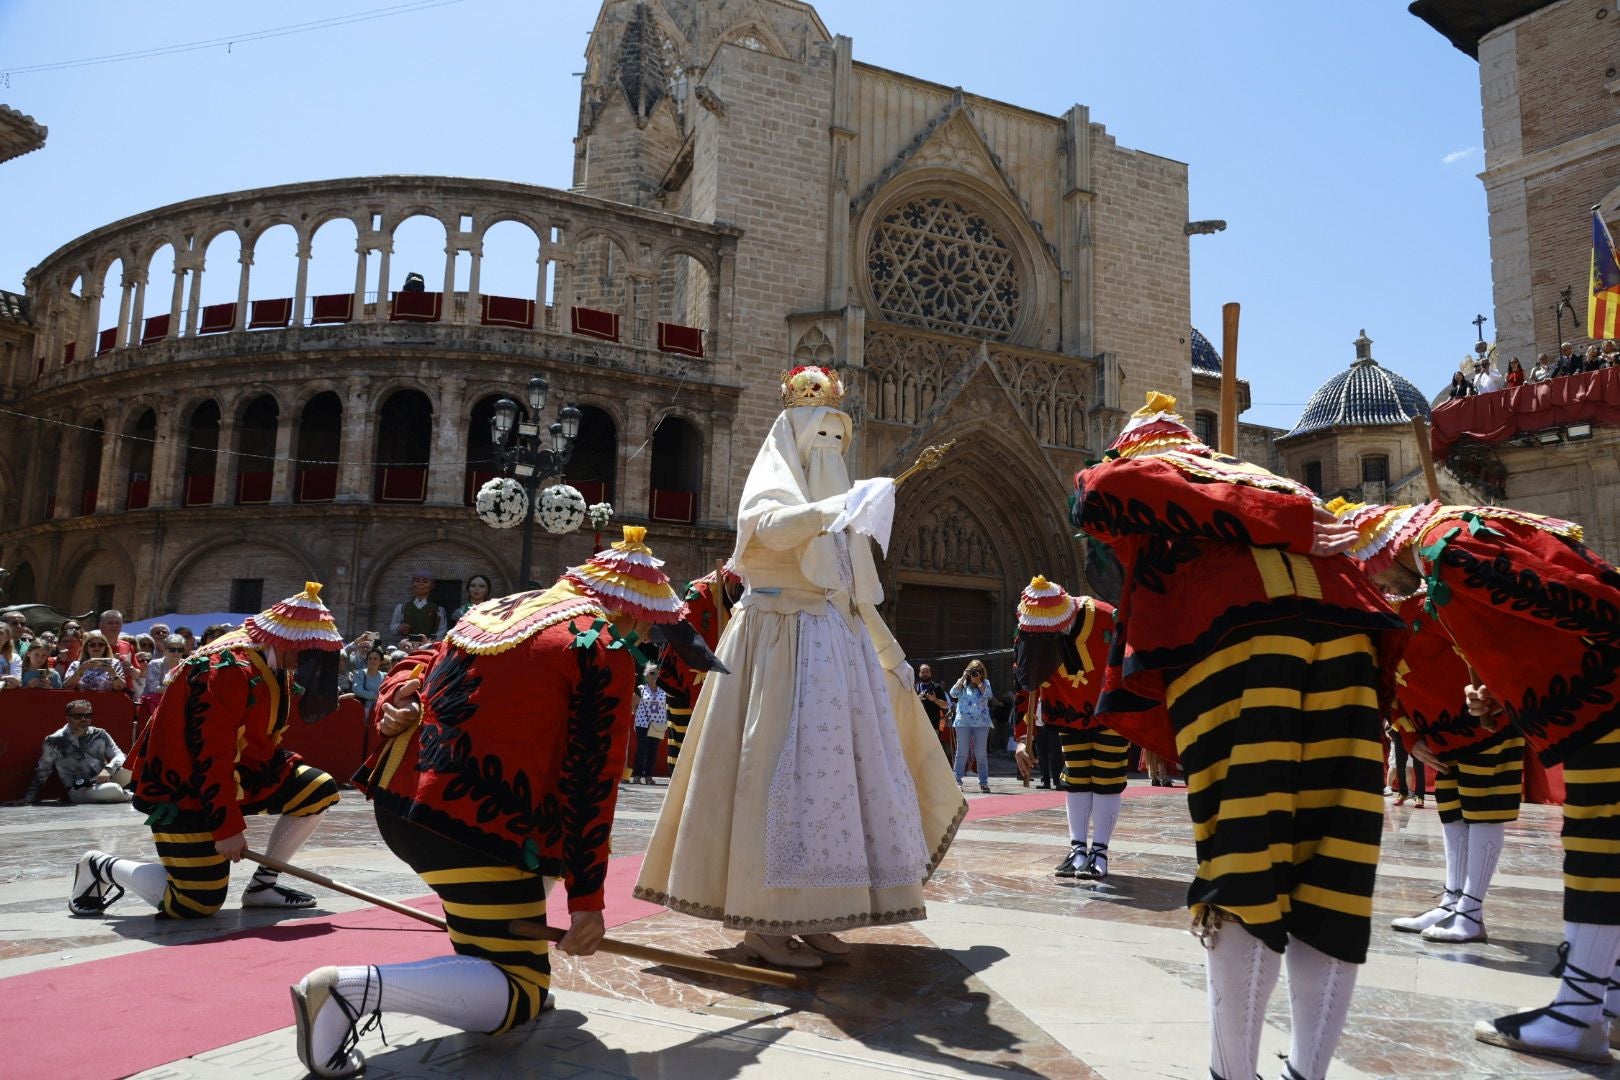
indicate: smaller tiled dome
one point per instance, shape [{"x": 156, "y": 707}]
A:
[
  {"x": 1205, "y": 360},
  {"x": 1367, "y": 394}
]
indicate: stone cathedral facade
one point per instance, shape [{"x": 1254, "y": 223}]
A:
[{"x": 1008, "y": 279}]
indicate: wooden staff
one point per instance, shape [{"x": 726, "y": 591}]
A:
[
  {"x": 1229, "y": 381},
  {"x": 536, "y": 931}
]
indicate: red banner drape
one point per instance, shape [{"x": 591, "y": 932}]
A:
[
  {"x": 1592, "y": 397},
  {"x": 593, "y": 323},
  {"x": 675, "y": 338}
]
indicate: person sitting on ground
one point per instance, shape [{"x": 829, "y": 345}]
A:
[
  {"x": 37, "y": 668},
  {"x": 84, "y": 758},
  {"x": 98, "y": 669}
]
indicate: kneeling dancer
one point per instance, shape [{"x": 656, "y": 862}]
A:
[
  {"x": 1058, "y": 655},
  {"x": 1533, "y": 610},
  {"x": 1238, "y": 614},
  {"x": 212, "y": 754},
  {"x": 499, "y": 773}
]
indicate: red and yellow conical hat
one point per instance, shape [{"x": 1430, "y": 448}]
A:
[
  {"x": 1046, "y": 607},
  {"x": 298, "y": 622},
  {"x": 1155, "y": 428},
  {"x": 626, "y": 579}
]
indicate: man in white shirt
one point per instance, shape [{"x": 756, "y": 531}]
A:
[{"x": 1485, "y": 377}]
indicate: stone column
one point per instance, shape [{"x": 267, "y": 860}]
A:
[
  {"x": 643, "y": 299},
  {"x": 450, "y": 250},
  {"x": 194, "y": 302},
  {"x": 174, "y": 302},
  {"x": 90, "y": 322},
  {"x": 226, "y": 463},
  {"x": 447, "y": 469},
  {"x": 361, "y": 249},
  {"x": 843, "y": 148},
  {"x": 470, "y": 314},
  {"x": 386, "y": 250},
  {"x": 167, "y": 455},
  {"x": 109, "y": 488},
  {"x": 282, "y": 479},
  {"x": 354, "y": 448},
  {"x": 633, "y": 490},
  {"x": 564, "y": 262},
  {"x": 137, "y": 315},
  {"x": 301, "y": 286},
  {"x": 67, "y": 495},
  {"x": 246, "y": 259},
  {"x": 1074, "y": 235},
  {"x": 121, "y": 330}
]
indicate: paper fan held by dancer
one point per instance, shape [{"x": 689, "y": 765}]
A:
[
  {"x": 811, "y": 796},
  {"x": 211, "y": 754},
  {"x": 1268, "y": 649},
  {"x": 1533, "y": 611},
  {"x": 503, "y": 745},
  {"x": 1059, "y": 653}
]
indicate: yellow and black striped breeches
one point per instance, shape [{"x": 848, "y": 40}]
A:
[
  {"x": 1095, "y": 760},
  {"x": 678, "y": 719},
  {"x": 480, "y": 901},
  {"x": 1592, "y": 832},
  {"x": 199, "y": 875},
  {"x": 1485, "y": 783},
  {"x": 1278, "y": 732}
]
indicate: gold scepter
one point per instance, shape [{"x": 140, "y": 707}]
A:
[{"x": 931, "y": 458}]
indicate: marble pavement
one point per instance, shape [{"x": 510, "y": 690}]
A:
[{"x": 1013, "y": 973}]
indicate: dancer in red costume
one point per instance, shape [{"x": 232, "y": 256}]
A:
[{"x": 709, "y": 601}]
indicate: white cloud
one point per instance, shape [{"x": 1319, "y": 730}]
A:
[{"x": 1458, "y": 155}]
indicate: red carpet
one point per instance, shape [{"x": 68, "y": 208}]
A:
[{"x": 175, "y": 1001}]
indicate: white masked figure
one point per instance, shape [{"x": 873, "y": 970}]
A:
[{"x": 810, "y": 796}]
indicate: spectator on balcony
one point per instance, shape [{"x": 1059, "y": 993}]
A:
[
  {"x": 111, "y": 625},
  {"x": 36, "y": 669},
  {"x": 1486, "y": 378},
  {"x": 11, "y": 661},
  {"x": 1567, "y": 363},
  {"x": 1460, "y": 386},
  {"x": 98, "y": 668},
  {"x": 478, "y": 590},
  {"x": 420, "y": 616},
  {"x": 1543, "y": 369},
  {"x": 1515, "y": 372},
  {"x": 1593, "y": 360}
]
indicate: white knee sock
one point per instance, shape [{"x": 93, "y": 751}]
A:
[
  {"x": 1241, "y": 972},
  {"x": 460, "y": 991},
  {"x": 146, "y": 880},
  {"x": 1592, "y": 950},
  {"x": 1104, "y": 815},
  {"x": 1485, "y": 842},
  {"x": 1078, "y": 806},
  {"x": 288, "y": 835},
  {"x": 1456, "y": 838},
  {"x": 1319, "y": 989},
  {"x": 1611, "y": 1002}
]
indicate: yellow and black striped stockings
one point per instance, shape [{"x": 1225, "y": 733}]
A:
[{"x": 1095, "y": 762}]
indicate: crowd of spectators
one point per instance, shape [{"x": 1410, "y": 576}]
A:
[{"x": 1568, "y": 361}]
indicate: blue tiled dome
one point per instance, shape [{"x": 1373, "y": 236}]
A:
[
  {"x": 1367, "y": 394},
  {"x": 1205, "y": 360}
]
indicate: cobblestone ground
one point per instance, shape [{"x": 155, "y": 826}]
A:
[{"x": 1014, "y": 972}]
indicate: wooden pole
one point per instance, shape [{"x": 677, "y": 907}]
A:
[
  {"x": 1420, "y": 428},
  {"x": 1229, "y": 379},
  {"x": 536, "y": 931}
]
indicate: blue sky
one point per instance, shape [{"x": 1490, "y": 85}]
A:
[{"x": 1339, "y": 141}]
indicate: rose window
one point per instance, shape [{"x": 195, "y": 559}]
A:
[{"x": 939, "y": 264}]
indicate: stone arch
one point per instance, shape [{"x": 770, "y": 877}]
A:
[
  {"x": 136, "y": 452},
  {"x": 675, "y": 473},
  {"x": 509, "y": 259},
  {"x": 332, "y": 240},
  {"x": 684, "y": 282},
  {"x": 78, "y": 585},
  {"x": 594, "y": 468},
  {"x": 417, "y": 240},
  {"x": 481, "y": 466},
  {"x": 387, "y": 578},
  {"x": 108, "y": 305},
  {"x": 236, "y": 551},
  {"x": 601, "y": 277},
  {"x": 1036, "y": 272},
  {"x": 318, "y": 445},
  {"x": 755, "y": 34},
  {"x": 198, "y": 458},
  {"x": 403, "y": 446}
]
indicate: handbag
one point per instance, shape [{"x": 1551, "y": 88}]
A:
[{"x": 656, "y": 729}]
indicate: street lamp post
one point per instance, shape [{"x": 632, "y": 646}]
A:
[{"x": 529, "y": 457}]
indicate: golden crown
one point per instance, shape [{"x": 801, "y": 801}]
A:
[{"x": 809, "y": 385}]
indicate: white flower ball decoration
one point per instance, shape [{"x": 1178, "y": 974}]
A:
[
  {"x": 501, "y": 503},
  {"x": 601, "y": 513},
  {"x": 562, "y": 509}
]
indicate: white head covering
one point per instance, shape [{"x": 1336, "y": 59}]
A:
[{"x": 791, "y": 469}]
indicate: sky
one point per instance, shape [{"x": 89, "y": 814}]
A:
[{"x": 1340, "y": 142}]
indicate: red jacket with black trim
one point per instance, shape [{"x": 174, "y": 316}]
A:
[
  {"x": 1536, "y": 613},
  {"x": 1210, "y": 546},
  {"x": 1429, "y": 682},
  {"x": 220, "y": 719},
  {"x": 519, "y": 752},
  {"x": 709, "y": 617}
]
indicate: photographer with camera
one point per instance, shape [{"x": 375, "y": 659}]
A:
[
  {"x": 98, "y": 669},
  {"x": 935, "y": 704}
]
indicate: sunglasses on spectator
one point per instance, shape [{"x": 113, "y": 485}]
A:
[
  {"x": 81, "y": 715},
  {"x": 174, "y": 648}
]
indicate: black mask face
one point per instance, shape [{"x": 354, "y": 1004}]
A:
[
  {"x": 683, "y": 639},
  {"x": 318, "y": 675}
]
